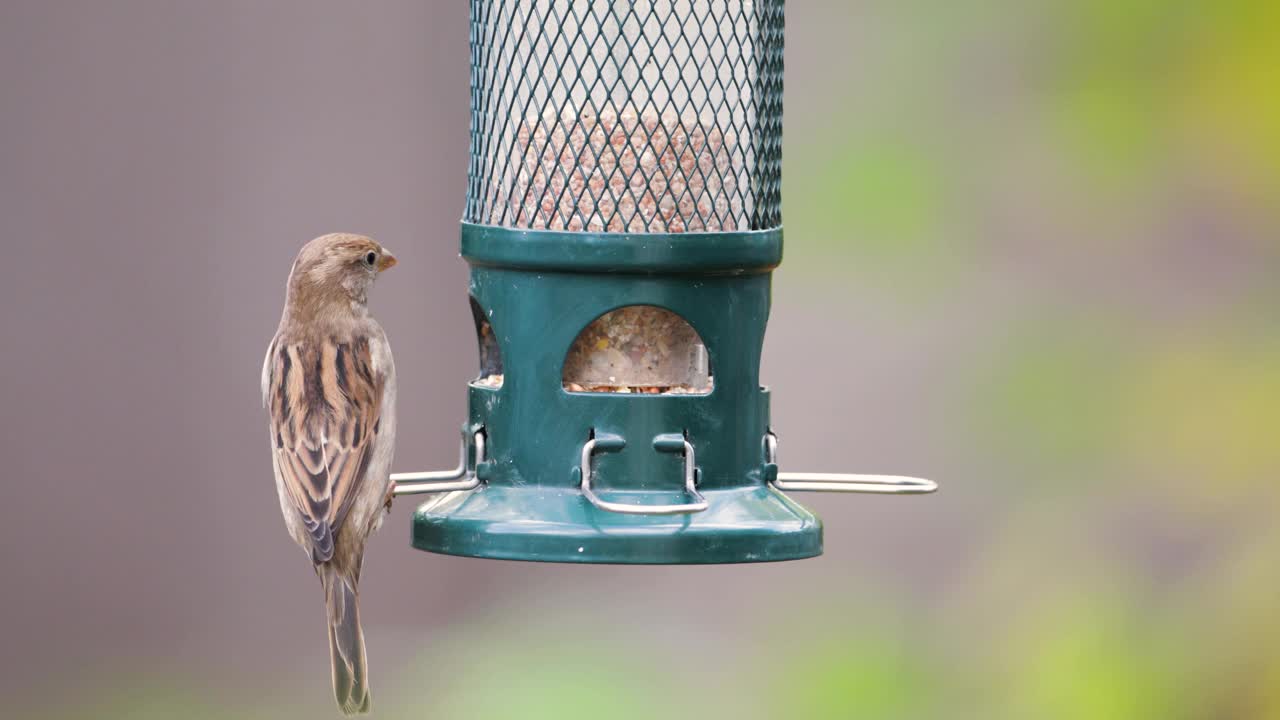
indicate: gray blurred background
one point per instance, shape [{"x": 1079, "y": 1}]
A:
[{"x": 1031, "y": 254}]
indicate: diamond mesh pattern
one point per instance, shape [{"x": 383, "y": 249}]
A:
[{"x": 626, "y": 115}]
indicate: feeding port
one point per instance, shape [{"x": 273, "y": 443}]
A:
[{"x": 640, "y": 349}]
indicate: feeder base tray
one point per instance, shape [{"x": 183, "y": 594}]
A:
[{"x": 747, "y": 524}]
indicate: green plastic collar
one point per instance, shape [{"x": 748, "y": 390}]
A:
[{"x": 733, "y": 253}]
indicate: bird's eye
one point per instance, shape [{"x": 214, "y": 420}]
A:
[{"x": 370, "y": 259}]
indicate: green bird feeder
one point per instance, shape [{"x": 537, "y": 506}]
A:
[{"x": 623, "y": 219}]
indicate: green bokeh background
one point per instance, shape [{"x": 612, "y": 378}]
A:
[{"x": 1032, "y": 253}]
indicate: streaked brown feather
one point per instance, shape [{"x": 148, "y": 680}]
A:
[{"x": 326, "y": 404}]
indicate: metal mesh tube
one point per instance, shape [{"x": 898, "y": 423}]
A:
[{"x": 626, "y": 115}]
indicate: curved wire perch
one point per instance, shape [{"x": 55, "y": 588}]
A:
[
  {"x": 438, "y": 481},
  {"x": 844, "y": 482},
  {"x": 690, "y": 486}
]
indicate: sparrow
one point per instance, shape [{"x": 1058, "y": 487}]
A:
[{"x": 329, "y": 384}]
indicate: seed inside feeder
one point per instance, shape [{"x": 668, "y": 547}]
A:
[
  {"x": 489, "y": 381},
  {"x": 624, "y": 171}
]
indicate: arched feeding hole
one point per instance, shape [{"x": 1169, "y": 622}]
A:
[
  {"x": 639, "y": 349},
  {"x": 490, "y": 355}
]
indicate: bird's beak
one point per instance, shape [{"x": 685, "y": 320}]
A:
[{"x": 388, "y": 260}]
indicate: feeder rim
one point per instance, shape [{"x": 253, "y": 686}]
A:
[{"x": 734, "y": 253}]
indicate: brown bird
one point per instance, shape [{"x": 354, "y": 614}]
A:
[{"x": 330, "y": 384}]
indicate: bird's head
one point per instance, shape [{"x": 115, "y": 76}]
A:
[{"x": 340, "y": 267}]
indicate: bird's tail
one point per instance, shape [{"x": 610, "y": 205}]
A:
[{"x": 346, "y": 642}]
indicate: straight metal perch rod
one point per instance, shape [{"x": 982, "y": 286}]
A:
[
  {"x": 437, "y": 481},
  {"x": 845, "y": 482},
  {"x": 458, "y": 479}
]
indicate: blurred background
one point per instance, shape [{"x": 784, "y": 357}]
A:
[{"x": 1032, "y": 251}]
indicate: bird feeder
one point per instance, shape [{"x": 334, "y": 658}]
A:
[{"x": 623, "y": 218}]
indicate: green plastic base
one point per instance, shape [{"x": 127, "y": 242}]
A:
[{"x": 550, "y": 524}]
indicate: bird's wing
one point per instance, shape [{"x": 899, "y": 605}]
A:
[{"x": 326, "y": 405}]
